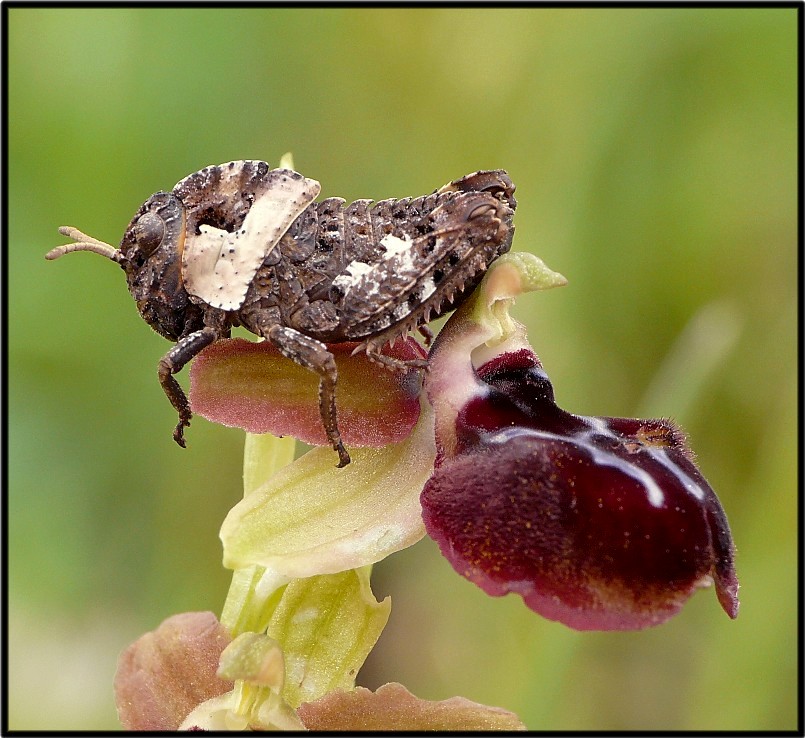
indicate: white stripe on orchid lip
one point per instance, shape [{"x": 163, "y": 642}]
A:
[
  {"x": 655, "y": 494},
  {"x": 598, "y": 425},
  {"x": 661, "y": 455},
  {"x": 658, "y": 453}
]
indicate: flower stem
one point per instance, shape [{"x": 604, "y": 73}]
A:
[{"x": 251, "y": 600}]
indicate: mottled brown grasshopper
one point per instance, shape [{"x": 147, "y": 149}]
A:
[{"x": 242, "y": 244}]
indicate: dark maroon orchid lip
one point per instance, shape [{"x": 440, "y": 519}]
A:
[{"x": 600, "y": 523}]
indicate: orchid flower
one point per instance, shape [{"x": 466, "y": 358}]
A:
[{"x": 599, "y": 523}]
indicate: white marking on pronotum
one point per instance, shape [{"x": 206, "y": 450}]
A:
[
  {"x": 359, "y": 275},
  {"x": 395, "y": 246},
  {"x": 401, "y": 311},
  {"x": 219, "y": 266},
  {"x": 398, "y": 258}
]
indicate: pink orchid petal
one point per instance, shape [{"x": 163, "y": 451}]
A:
[
  {"x": 166, "y": 673},
  {"x": 250, "y": 385},
  {"x": 393, "y": 707}
]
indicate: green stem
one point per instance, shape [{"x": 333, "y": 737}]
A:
[{"x": 252, "y": 598}]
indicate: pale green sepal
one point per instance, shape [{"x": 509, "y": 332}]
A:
[
  {"x": 313, "y": 518},
  {"x": 327, "y": 626},
  {"x": 253, "y": 595}
]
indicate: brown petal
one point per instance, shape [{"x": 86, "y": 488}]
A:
[
  {"x": 164, "y": 674},
  {"x": 393, "y": 707}
]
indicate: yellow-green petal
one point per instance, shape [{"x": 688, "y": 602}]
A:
[
  {"x": 313, "y": 518},
  {"x": 256, "y": 658}
]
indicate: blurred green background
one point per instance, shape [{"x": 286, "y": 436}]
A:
[{"x": 654, "y": 152}]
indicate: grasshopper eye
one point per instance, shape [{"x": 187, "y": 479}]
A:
[{"x": 148, "y": 233}]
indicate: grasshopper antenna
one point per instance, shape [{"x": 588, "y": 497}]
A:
[{"x": 83, "y": 242}]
